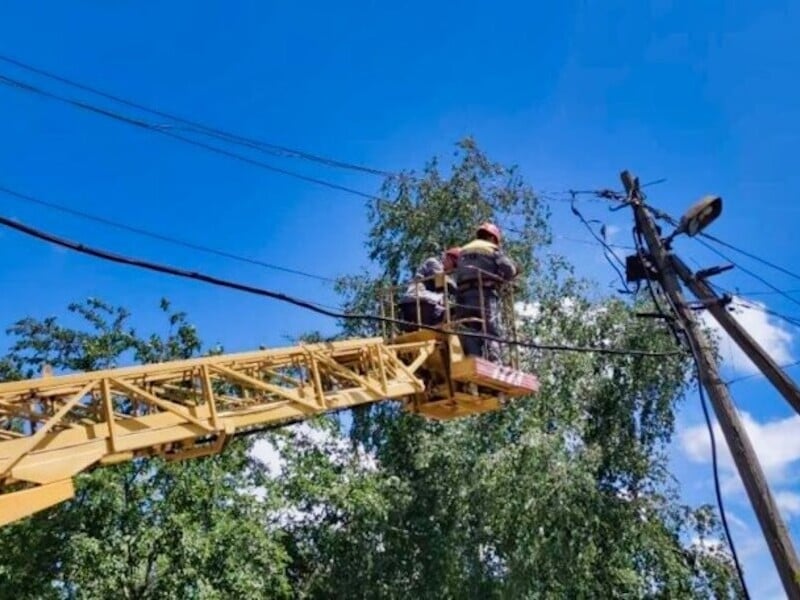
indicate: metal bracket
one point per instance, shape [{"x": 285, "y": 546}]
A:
[{"x": 710, "y": 272}]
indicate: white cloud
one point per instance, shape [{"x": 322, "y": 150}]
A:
[
  {"x": 269, "y": 455},
  {"x": 271, "y": 452},
  {"x": 788, "y": 503},
  {"x": 736, "y": 521},
  {"x": 759, "y": 570},
  {"x": 611, "y": 232},
  {"x": 776, "y": 442},
  {"x": 529, "y": 310},
  {"x": 770, "y": 334}
]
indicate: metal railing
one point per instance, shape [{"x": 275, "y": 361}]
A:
[{"x": 446, "y": 313}]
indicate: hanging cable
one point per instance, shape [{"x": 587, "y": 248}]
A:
[
  {"x": 273, "y": 149},
  {"x": 166, "y": 131},
  {"x": 607, "y": 250},
  {"x": 169, "y": 270},
  {"x": 158, "y": 236},
  {"x": 715, "y": 467},
  {"x": 714, "y": 459},
  {"x": 676, "y": 333},
  {"x": 746, "y": 377},
  {"x": 749, "y": 272},
  {"x": 763, "y": 261}
]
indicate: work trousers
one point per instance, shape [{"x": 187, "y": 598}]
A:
[
  {"x": 468, "y": 306},
  {"x": 429, "y": 314}
]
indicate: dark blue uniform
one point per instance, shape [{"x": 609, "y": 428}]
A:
[
  {"x": 495, "y": 268},
  {"x": 423, "y": 300}
]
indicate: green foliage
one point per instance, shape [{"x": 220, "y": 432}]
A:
[
  {"x": 145, "y": 529},
  {"x": 565, "y": 494},
  {"x": 430, "y": 212},
  {"x": 562, "y": 495}
]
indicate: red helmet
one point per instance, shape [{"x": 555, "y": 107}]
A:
[{"x": 492, "y": 230}]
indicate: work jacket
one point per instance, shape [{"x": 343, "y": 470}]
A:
[
  {"x": 487, "y": 258},
  {"x": 427, "y": 283}
]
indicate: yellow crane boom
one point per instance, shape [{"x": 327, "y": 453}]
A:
[{"x": 54, "y": 427}]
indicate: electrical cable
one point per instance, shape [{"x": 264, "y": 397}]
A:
[
  {"x": 574, "y": 240},
  {"x": 602, "y": 241},
  {"x": 159, "y": 236},
  {"x": 715, "y": 467},
  {"x": 659, "y": 214},
  {"x": 274, "y": 149},
  {"x": 763, "y": 261},
  {"x": 749, "y": 272},
  {"x": 788, "y": 319},
  {"x": 166, "y": 130},
  {"x": 169, "y": 270},
  {"x": 714, "y": 459},
  {"x": 763, "y": 293},
  {"x": 676, "y": 334},
  {"x": 712, "y": 437},
  {"x": 740, "y": 300},
  {"x": 21, "y": 85},
  {"x": 746, "y": 377}
]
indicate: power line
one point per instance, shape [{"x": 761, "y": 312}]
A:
[
  {"x": 197, "y": 127},
  {"x": 21, "y": 85},
  {"x": 745, "y": 377},
  {"x": 640, "y": 252},
  {"x": 575, "y": 240},
  {"x": 763, "y": 293},
  {"x": 763, "y": 261},
  {"x": 660, "y": 214},
  {"x": 602, "y": 241},
  {"x": 169, "y": 270},
  {"x": 787, "y": 318},
  {"x": 168, "y": 131},
  {"x": 712, "y": 438},
  {"x": 740, "y": 300},
  {"x": 159, "y": 236},
  {"x": 748, "y": 272},
  {"x": 674, "y": 299},
  {"x": 715, "y": 469},
  {"x": 269, "y": 148}
]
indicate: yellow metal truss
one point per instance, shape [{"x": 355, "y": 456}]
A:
[{"x": 53, "y": 428}]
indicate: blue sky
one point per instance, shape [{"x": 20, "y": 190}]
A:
[{"x": 702, "y": 93}]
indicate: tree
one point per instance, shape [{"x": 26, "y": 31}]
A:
[
  {"x": 565, "y": 494},
  {"x": 147, "y": 528}
]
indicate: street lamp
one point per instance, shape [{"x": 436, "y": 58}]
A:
[{"x": 699, "y": 216}]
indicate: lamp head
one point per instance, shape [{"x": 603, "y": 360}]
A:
[{"x": 700, "y": 215}]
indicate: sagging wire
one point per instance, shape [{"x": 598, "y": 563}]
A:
[
  {"x": 603, "y": 241},
  {"x": 158, "y": 236},
  {"x": 169, "y": 270},
  {"x": 690, "y": 343}
]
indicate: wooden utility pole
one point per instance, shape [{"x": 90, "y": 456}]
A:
[
  {"x": 773, "y": 527},
  {"x": 785, "y": 385}
]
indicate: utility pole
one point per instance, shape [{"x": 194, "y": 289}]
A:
[
  {"x": 744, "y": 456},
  {"x": 785, "y": 385}
]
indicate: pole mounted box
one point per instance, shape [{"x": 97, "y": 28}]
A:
[{"x": 639, "y": 267}]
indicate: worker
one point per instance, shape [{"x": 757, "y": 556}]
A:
[
  {"x": 423, "y": 300},
  {"x": 482, "y": 268},
  {"x": 450, "y": 260}
]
